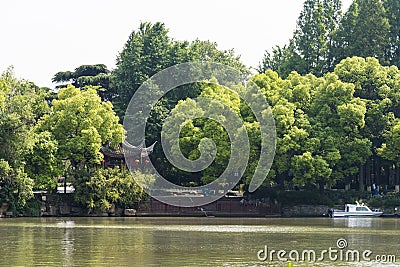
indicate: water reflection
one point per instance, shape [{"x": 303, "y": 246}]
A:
[
  {"x": 372, "y": 223},
  {"x": 355, "y": 222},
  {"x": 65, "y": 224},
  {"x": 67, "y": 244}
]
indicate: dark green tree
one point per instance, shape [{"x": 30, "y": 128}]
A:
[
  {"x": 148, "y": 51},
  {"x": 332, "y": 19},
  {"x": 364, "y": 32},
  {"x": 85, "y": 75},
  {"x": 309, "y": 50},
  {"x": 312, "y": 38},
  {"x": 392, "y": 8},
  {"x": 283, "y": 60}
]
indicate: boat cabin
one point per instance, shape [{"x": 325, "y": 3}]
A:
[{"x": 356, "y": 207}]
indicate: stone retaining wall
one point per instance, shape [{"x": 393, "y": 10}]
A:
[{"x": 304, "y": 210}]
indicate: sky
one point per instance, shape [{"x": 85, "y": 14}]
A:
[{"x": 43, "y": 37}]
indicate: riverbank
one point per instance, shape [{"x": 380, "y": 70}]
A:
[
  {"x": 280, "y": 204},
  {"x": 62, "y": 205}
]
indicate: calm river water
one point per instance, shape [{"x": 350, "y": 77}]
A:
[{"x": 199, "y": 242}]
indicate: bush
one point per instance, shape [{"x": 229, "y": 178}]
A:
[
  {"x": 264, "y": 192},
  {"x": 383, "y": 202},
  {"x": 340, "y": 197},
  {"x": 376, "y": 202},
  {"x": 32, "y": 208},
  {"x": 392, "y": 202},
  {"x": 303, "y": 198},
  {"x": 101, "y": 189},
  {"x": 310, "y": 197}
]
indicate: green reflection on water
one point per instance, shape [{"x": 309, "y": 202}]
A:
[{"x": 185, "y": 241}]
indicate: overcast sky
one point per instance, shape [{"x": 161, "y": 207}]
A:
[{"x": 42, "y": 37}]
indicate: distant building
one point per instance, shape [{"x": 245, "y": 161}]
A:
[{"x": 135, "y": 155}]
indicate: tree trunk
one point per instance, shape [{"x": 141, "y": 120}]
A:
[
  {"x": 397, "y": 177},
  {"x": 377, "y": 172},
  {"x": 368, "y": 173},
  {"x": 361, "y": 179}
]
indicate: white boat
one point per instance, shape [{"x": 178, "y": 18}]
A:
[{"x": 354, "y": 210}]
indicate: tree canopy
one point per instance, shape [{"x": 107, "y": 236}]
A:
[
  {"x": 80, "y": 123},
  {"x": 150, "y": 50},
  {"x": 96, "y": 75},
  {"x": 324, "y": 36},
  {"x": 22, "y": 104}
]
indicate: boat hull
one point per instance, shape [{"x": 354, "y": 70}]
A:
[{"x": 344, "y": 214}]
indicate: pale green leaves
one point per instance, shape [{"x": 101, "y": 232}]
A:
[
  {"x": 112, "y": 186},
  {"x": 81, "y": 123},
  {"x": 391, "y": 149}
]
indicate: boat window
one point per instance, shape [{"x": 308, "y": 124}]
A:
[
  {"x": 361, "y": 209},
  {"x": 347, "y": 209}
]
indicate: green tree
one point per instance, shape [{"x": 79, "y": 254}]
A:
[
  {"x": 80, "y": 123},
  {"x": 106, "y": 187},
  {"x": 333, "y": 17},
  {"x": 194, "y": 130},
  {"x": 339, "y": 118},
  {"x": 21, "y": 105},
  {"x": 283, "y": 60},
  {"x": 85, "y": 75},
  {"x": 378, "y": 87},
  {"x": 315, "y": 26},
  {"x": 42, "y": 164},
  {"x": 392, "y": 8},
  {"x": 150, "y": 50},
  {"x": 204, "y": 51},
  {"x": 309, "y": 50},
  {"x": 390, "y": 149},
  {"x": 289, "y": 100},
  {"x": 364, "y": 32},
  {"x": 317, "y": 119},
  {"x": 146, "y": 52}
]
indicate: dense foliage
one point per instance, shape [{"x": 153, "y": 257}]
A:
[
  {"x": 334, "y": 91},
  {"x": 324, "y": 36},
  {"x": 43, "y": 140},
  {"x": 148, "y": 51},
  {"x": 22, "y": 104},
  {"x": 96, "y": 75},
  {"x": 101, "y": 188}
]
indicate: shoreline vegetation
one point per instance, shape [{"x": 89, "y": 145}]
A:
[
  {"x": 334, "y": 92},
  {"x": 277, "y": 204}
]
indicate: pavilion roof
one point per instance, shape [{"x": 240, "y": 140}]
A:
[{"x": 128, "y": 149}]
